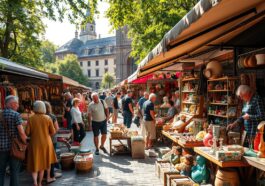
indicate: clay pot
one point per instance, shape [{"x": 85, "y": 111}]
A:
[
  {"x": 260, "y": 59},
  {"x": 227, "y": 177},
  {"x": 252, "y": 61},
  {"x": 245, "y": 62},
  {"x": 213, "y": 70}
]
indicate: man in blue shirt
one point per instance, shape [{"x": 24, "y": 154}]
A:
[
  {"x": 140, "y": 111},
  {"x": 149, "y": 120},
  {"x": 127, "y": 108}
]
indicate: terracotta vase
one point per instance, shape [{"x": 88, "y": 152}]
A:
[{"x": 213, "y": 70}]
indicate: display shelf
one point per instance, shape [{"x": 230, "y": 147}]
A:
[
  {"x": 221, "y": 98},
  {"x": 222, "y": 104},
  {"x": 189, "y": 103},
  {"x": 190, "y": 79},
  {"x": 219, "y": 90},
  {"x": 221, "y": 116},
  {"x": 189, "y": 87},
  {"x": 187, "y": 91},
  {"x": 223, "y": 79}
]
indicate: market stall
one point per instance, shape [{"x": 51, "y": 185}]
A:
[{"x": 225, "y": 42}]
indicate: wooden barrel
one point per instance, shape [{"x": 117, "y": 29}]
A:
[{"x": 227, "y": 177}]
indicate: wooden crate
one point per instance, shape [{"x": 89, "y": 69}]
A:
[
  {"x": 158, "y": 166},
  {"x": 137, "y": 148},
  {"x": 182, "y": 181}
]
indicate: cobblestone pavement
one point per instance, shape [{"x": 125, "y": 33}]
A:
[{"x": 118, "y": 170}]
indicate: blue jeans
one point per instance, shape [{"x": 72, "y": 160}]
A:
[
  {"x": 14, "y": 165},
  {"x": 127, "y": 119}
]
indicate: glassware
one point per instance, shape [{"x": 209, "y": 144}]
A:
[{"x": 221, "y": 140}]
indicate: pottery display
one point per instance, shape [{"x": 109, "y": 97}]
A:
[
  {"x": 260, "y": 59},
  {"x": 213, "y": 70},
  {"x": 261, "y": 153}
]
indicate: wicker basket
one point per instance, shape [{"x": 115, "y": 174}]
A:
[
  {"x": 83, "y": 165},
  {"x": 116, "y": 134},
  {"x": 67, "y": 160}
]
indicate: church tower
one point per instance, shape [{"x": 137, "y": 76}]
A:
[{"x": 88, "y": 31}]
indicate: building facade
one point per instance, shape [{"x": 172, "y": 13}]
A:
[{"x": 98, "y": 56}]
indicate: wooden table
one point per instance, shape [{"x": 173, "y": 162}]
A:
[
  {"x": 120, "y": 139},
  {"x": 204, "y": 151},
  {"x": 256, "y": 162},
  {"x": 175, "y": 140}
]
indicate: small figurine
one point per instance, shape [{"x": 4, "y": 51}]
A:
[
  {"x": 180, "y": 124},
  {"x": 261, "y": 153},
  {"x": 208, "y": 138},
  {"x": 200, "y": 173},
  {"x": 185, "y": 166},
  {"x": 174, "y": 155}
]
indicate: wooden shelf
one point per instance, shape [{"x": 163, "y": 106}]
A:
[
  {"x": 219, "y": 90},
  {"x": 221, "y": 116},
  {"x": 224, "y": 79},
  {"x": 223, "y": 104},
  {"x": 189, "y": 103},
  {"x": 186, "y": 91},
  {"x": 190, "y": 79}
]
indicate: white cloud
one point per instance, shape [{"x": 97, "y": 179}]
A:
[{"x": 61, "y": 32}]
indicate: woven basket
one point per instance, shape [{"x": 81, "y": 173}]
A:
[
  {"x": 116, "y": 134},
  {"x": 67, "y": 160},
  {"x": 83, "y": 166}
]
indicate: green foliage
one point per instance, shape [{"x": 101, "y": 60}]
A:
[
  {"x": 69, "y": 67},
  {"x": 147, "y": 20},
  {"x": 47, "y": 50},
  {"x": 21, "y": 25},
  {"x": 107, "y": 80}
]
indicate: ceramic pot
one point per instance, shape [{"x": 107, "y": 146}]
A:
[
  {"x": 208, "y": 139},
  {"x": 245, "y": 62},
  {"x": 260, "y": 59},
  {"x": 252, "y": 61},
  {"x": 213, "y": 70},
  {"x": 227, "y": 176}
]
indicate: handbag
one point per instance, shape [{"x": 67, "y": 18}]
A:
[
  {"x": 136, "y": 120},
  {"x": 18, "y": 147}
]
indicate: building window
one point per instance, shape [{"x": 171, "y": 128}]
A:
[
  {"x": 88, "y": 63},
  {"x": 97, "y": 63},
  {"x": 81, "y": 63},
  {"x": 91, "y": 28},
  {"x": 97, "y": 72},
  {"x": 89, "y": 73},
  {"x": 106, "y": 70},
  {"x": 97, "y": 85},
  {"x": 106, "y": 62}
]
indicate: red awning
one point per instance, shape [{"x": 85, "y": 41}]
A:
[{"x": 142, "y": 80}]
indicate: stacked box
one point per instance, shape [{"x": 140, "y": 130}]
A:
[{"x": 137, "y": 147}]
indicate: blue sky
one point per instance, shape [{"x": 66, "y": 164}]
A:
[{"x": 61, "y": 32}]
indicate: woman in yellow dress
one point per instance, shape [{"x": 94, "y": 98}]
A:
[{"x": 41, "y": 153}]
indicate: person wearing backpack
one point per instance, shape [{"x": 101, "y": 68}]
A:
[
  {"x": 127, "y": 107},
  {"x": 98, "y": 114}
]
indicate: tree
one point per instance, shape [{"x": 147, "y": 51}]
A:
[
  {"x": 69, "y": 67},
  {"x": 107, "y": 79},
  {"x": 147, "y": 20},
  {"x": 47, "y": 52},
  {"x": 21, "y": 25}
]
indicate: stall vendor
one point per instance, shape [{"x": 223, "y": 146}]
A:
[
  {"x": 172, "y": 111},
  {"x": 253, "y": 112}
]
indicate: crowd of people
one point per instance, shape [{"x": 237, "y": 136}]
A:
[{"x": 39, "y": 130}]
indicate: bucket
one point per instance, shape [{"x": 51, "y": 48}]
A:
[
  {"x": 227, "y": 177},
  {"x": 67, "y": 160}
]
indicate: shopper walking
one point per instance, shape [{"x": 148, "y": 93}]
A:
[
  {"x": 98, "y": 113},
  {"x": 116, "y": 107},
  {"x": 41, "y": 152},
  {"x": 127, "y": 107},
  {"x": 67, "y": 109},
  {"x": 10, "y": 118},
  {"x": 109, "y": 102},
  {"x": 140, "y": 111},
  {"x": 51, "y": 176},
  {"x": 77, "y": 122},
  {"x": 149, "y": 121}
]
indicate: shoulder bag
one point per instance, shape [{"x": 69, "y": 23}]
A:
[{"x": 18, "y": 147}]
